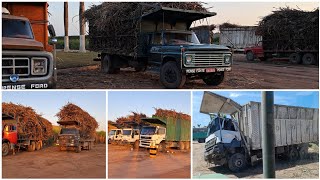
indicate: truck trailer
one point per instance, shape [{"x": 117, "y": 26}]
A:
[
  {"x": 165, "y": 133},
  {"x": 27, "y": 58},
  {"x": 234, "y": 132},
  {"x": 162, "y": 38}
]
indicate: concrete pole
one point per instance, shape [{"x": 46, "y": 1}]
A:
[
  {"x": 66, "y": 27},
  {"x": 82, "y": 22},
  {"x": 268, "y": 136}
]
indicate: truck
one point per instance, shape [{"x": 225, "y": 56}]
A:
[
  {"x": 163, "y": 39},
  {"x": 239, "y": 38},
  {"x": 114, "y": 135},
  {"x": 234, "y": 133},
  {"x": 163, "y": 133},
  {"x": 130, "y": 136},
  {"x": 199, "y": 134},
  {"x": 27, "y": 57},
  {"x": 71, "y": 137},
  {"x": 13, "y": 138}
]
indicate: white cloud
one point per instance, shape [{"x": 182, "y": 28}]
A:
[
  {"x": 234, "y": 95},
  {"x": 304, "y": 93}
]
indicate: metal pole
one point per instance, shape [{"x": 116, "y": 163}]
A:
[{"x": 268, "y": 153}]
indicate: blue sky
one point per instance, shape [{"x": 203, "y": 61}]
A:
[
  {"x": 121, "y": 103},
  {"x": 243, "y": 13},
  {"x": 294, "y": 98},
  {"x": 48, "y": 103}
]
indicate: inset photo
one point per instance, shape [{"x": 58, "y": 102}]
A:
[
  {"x": 254, "y": 134},
  {"x": 149, "y": 134},
  {"x": 60, "y": 134}
]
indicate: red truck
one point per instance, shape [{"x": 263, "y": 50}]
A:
[
  {"x": 12, "y": 139},
  {"x": 254, "y": 52}
]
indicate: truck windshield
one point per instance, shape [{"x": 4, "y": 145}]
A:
[
  {"x": 148, "y": 131},
  {"x": 112, "y": 132},
  {"x": 178, "y": 38},
  {"x": 214, "y": 125},
  {"x": 126, "y": 132},
  {"x": 13, "y": 28},
  {"x": 69, "y": 131}
]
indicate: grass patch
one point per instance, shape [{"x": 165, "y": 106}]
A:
[
  {"x": 74, "y": 42},
  {"x": 314, "y": 146},
  {"x": 75, "y": 59}
]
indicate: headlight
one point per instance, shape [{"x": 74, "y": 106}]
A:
[
  {"x": 227, "y": 59},
  {"x": 39, "y": 66},
  {"x": 189, "y": 58}
]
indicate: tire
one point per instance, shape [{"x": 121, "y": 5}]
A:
[
  {"x": 136, "y": 145},
  {"x": 308, "y": 59},
  {"x": 187, "y": 145},
  {"x": 162, "y": 147},
  {"x": 78, "y": 149},
  {"x": 181, "y": 145},
  {"x": 140, "y": 69},
  {"x": 32, "y": 146},
  {"x": 250, "y": 56},
  {"x": 5, "y": 149},
  {"x": 107, "y": 65},
  {"x": 38, "y": 146},
  {"x": 293, "y": 154},
  {"x": 213, "y": 79},
  {"x": 303, "y": 152},
  {"x": 171, "y": 76},
  {"x": 295, "y": 58},
  {"x": 237, "y": 162}
]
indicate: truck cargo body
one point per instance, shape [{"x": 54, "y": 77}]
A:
[
  {"x": 169, "y": 132},
  {"x": 199, "y": 134},
  {"x": 239, "y": 38},
  {"x": 237, "y": 141}
]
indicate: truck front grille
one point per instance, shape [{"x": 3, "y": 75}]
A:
[
  {"x": 207, "y": 59},
  {"x": 145, "y": 141},
  {"x": 19, "y": 66}
]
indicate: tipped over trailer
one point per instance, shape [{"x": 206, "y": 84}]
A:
[
  {"x": 71, "y": 137},
  {"x": 165, "y": 133},
  {"x": 237, "y": 141}
]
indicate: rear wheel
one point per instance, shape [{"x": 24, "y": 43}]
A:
[
  {"x": 250, "y": 56},
  {"x": 237, "y": 162},
  {"x": 303, "y": 152},
  {"x": 293, "y": 154},
  {"x": 107, "y": 65},
  {"x": 78, "y": 149},
  {"x": 136, "y": 144},
  {"x": 213, "y": 79},
  {"x": 32, "y": 146},
  {"x": 171, "y": 76},
  {"x": 295, "y": 58},
  {"x": 308, "y": 59},
  {"x": 162, "y": 147},
  {"x": 181, "y": 145},
  {"x": 38, "y": 146},
  {"x": 5, "y": 149}
]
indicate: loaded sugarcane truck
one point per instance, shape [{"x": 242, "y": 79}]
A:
[
  {"x": 71, "y": 137},
  {"x": 12, "y": 139},
  {"x": 164, "y": 40},
  {"x": 27, "y": 58},
  {"x": 165, "y": 133},
  {"x": 236, "y": 141}
]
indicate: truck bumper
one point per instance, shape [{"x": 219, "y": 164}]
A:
[
  {"x": 34, "y": 84},
  {"x": 206, "y": 70},
  {"x": 67, "y": 145},
  {"x": 216, "y": 155}
]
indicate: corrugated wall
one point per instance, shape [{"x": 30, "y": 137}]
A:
[{"x": 178, "y": 129}]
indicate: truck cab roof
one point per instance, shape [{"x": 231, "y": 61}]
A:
[{"x": 8, "y": 16}]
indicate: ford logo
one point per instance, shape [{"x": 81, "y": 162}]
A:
[{"x": 14, "y": 77}]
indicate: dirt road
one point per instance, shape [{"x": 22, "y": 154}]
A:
[
  {"x": 126, "y": 163},
  {"x": 245, "y": 75},
  {"x": 51, "y": 163},
  {"x": 303, "y": 169}
]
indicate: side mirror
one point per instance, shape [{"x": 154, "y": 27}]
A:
[
  {"x": 54, "y": 41},
  {"x": 51, "y": 30}
]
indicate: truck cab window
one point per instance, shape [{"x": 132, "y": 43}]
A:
[
  {"x": 161, "y": 131},
  {"x": 157, "y": 39},
  {"x": 16, "y": 29}
]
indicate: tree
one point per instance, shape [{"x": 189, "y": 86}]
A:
[
  {"x": 66, "y": 26},
  {"x": 82, "y": 28}
]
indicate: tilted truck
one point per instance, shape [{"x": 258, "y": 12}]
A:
[
  {"x": 12, "y": 139},
  {"x": 165, "y": 133},
  {"x": 236, "y": 141},
  {"x": 163, "y": 39},
  {"x": 27, "y": 59},
  {"x": 71, "y": 137}
]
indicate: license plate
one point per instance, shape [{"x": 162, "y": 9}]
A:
[{"x": 210, "y": 70}]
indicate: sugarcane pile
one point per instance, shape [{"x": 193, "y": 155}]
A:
[
  {"x": 134, "y": 117},
  {"x": 72, "y": 112},
  {"x": 31, "y": 124},
  {"x": 229, "y": 25},
  {"x": 290, "y": 29},
  {"x": 115, "y": 26},
  {"x": 165, "y": 113}
]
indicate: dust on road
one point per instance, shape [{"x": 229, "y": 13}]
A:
[
  {"x": 244, "y": 75},
  {"x": 52, "y": 163},
  {"x": 124, "y": 162},
  {"x": 302, "y": 169}
]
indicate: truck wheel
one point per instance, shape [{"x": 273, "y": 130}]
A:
[
  {"x": 107, "y": 65},
  {"x": 78, "y": 149},
  {"x": 187, "y": 145},
  {"x": 5, "y": 149},
  {"x": 213, "y": 79},
  {"x": 237, "y": 162},
  {"x": 136, "y": 145},
  {"x": 293, "y": 154},
  {"x": 295, "y": 58},
  {"x": 171, "y": 76},
  {"x": 181, "y": 145},
  {"x": 162, "y": 147},
  {"x": 32, "y": 146},
  {"x": 250, "y": 56},
  {"x": 308, "y": 59},
  {"x": 38, "y": 146},
  {"x": 303, "y": 152}
]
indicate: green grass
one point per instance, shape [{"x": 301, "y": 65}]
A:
[
  {"x": 314, "y": 146},
  {"x": 73, "y": 42},
  {"x": 75, "y": 59}
]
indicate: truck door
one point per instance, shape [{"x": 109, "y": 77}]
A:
[
  {"x": 155, "y": 48},
  {"x": 10, "y": 133}
]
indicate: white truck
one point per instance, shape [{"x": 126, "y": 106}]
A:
[
  {"x": 130, "y": 136},
  {"x": 114, "y": 135},
  {"x": 234, "y": 138}
]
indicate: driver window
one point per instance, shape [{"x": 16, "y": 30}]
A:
[
  {"x": 161, "y": 131},
  {"x": 157, "y": 39},
  {"x": 7, "y": 128}
]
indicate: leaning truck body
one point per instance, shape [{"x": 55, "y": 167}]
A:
[
  {"x": 236, "y": 141},
  {"x": 165, "y": 133}
]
